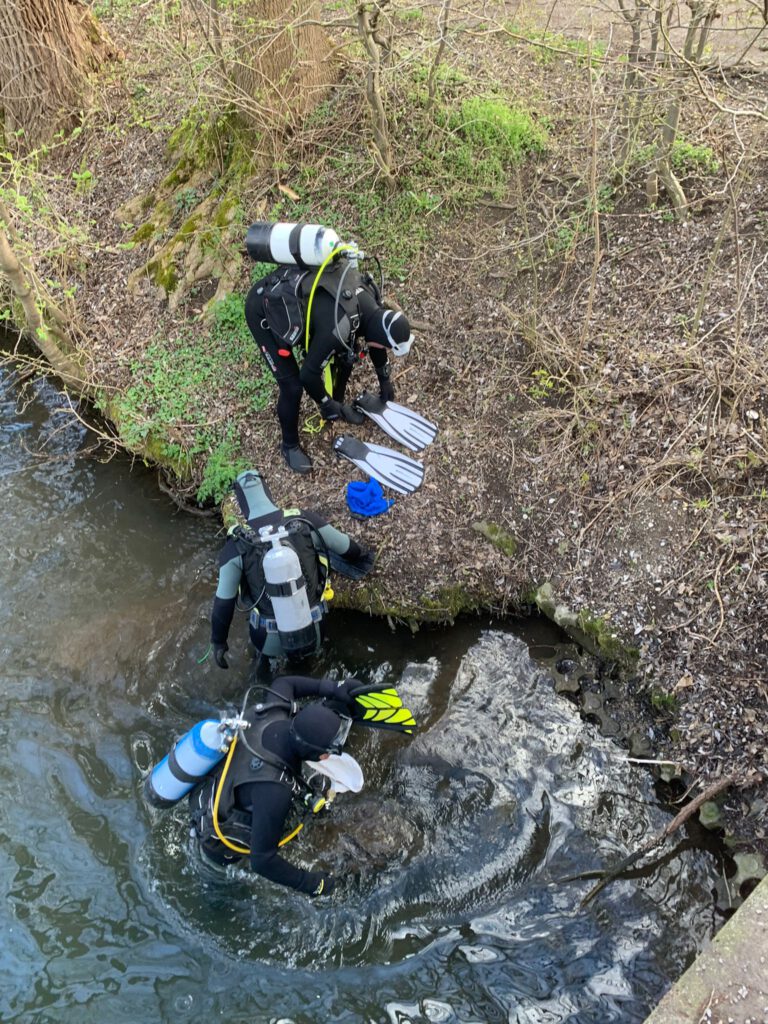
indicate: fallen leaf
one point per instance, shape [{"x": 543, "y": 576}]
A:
[
  {"x": 289, "y": 192},
  {"x": 683, "y": 682}
]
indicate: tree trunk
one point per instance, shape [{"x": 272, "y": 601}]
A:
[
  {"x": 47, "y": 49},
  {"x": 367, "y": 27},
  {"x": 703, "y": 14},
  {"x": 280, "y": 68}
]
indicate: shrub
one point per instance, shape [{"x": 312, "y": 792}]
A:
[{"x": 490, "y": 137}]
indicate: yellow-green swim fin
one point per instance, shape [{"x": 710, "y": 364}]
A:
[{"x": 383, "y": 709}]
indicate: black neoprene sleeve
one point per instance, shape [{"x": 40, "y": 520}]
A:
[{"x": 221, "y": 619}]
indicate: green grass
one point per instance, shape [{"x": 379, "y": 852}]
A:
[
  {"x": 489, "y": 138},
  {"x": 177, "y": 385},
  {"x": 258, "y": 270},
  {"x": 225, "y": 461},
  {"x": 114, "y": 8},
  {"x": 685, "y": 157},
  {"x": 411, "y": 14},
  {"x": 447, "y": 155},
  {"x": 688, "y": 158}
]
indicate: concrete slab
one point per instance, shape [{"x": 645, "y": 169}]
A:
[{"x": 728, "y": 982}]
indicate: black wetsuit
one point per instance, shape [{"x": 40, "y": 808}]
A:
[
  {"x": 323, "y": 344},
  {"x": 269, "y": 803}
]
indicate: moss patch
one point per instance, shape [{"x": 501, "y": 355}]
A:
[
  {"x": 504, "y": 541},
  {"x": 163, "y": 273},
  {"x": 145, "y": 232},
  {"x": 444, "y": 606},
  {"x": 593, "y": 633}
]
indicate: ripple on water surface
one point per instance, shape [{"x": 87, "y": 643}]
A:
[{"x": 450, "y": 909}]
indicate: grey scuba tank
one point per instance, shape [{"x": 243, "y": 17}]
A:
[
  {"x": 287, "y": 590},
  {"x": 304, "y": 245}
]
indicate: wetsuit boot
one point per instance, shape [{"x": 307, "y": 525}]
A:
[{"x": 297, "y": 459}]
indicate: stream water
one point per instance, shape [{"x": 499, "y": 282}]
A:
[{"x": 451, "y": 906}]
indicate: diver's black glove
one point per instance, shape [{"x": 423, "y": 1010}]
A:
[
  {"x": 332, "y": 410},
  {"x": 325, "y": 886},
  {"x": 345, "y": 691},
  {"x": 219, "y": 652}
]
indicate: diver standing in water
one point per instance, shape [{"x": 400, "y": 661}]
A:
[
  {"x": 241, "y": 810},
  {"x": 346, "y": 320},
  {"x": 287, "y": 607},
  {"x": 239, "y": 804}
]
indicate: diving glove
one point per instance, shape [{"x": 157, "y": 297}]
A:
[
  {"x": 386, "y": 387},
  {"x": 332, "y": 410},
  {"x": 340, "y": 696},
  {"x": 346, "y": 690},
  {"x": 219, "y": 652}
]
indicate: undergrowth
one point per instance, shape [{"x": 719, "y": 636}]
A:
[
  {"x": 175, "y": 391},
  {"x": 449, "y": 154},
  {"x": 685, "y": 157},
  {"x": 552, "y": 46}
]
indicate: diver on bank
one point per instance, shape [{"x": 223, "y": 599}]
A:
[
  {"x": 278, "y": 568},
  {"x": 240, "y": 804},
  {"x": 347, "y": 321}
]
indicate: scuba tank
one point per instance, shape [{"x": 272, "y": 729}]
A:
[
  {"x": 305, "y": 245},
  {"x": 189, "y": 761},
  {"x": 287, "y": 590}
]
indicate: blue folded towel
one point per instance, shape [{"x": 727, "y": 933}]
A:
[{"x": 367, "y": 499}]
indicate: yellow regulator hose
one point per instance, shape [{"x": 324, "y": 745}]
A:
[
  {"x": 327, "y": 380},
  {"x": 217, "y": 828}
]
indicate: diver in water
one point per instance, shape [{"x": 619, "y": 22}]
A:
[
  {"x": 347, "y": 321},
  {"x": 241, "y": 808},
  {"x": 244, "y": 775},
  {"x": 319, "y": 547}
]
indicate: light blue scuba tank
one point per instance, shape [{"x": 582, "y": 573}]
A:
[{"x": 189, "y": 761}]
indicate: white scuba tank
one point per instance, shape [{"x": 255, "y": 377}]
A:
[
  {"x": 306, "y": 245},
  {"x": 287, "y": 590},
  {"x": 189, "y": 761}
]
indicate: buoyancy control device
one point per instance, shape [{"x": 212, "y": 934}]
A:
[
  {"x": 189, "y": 760},
  {"x": 305, "y": 579},
  {"x": 290, "y": 289}
]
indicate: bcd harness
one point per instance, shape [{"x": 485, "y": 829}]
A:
[
  {"x": 285, "y": 294},
  {"x": 215, "y": 816}
]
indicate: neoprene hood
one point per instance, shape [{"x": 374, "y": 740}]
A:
[
  {"x": 389, "y": 328},
  {"x": 314, "y": 730}
]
